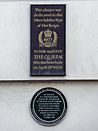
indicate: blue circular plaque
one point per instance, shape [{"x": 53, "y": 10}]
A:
[{"x": 48, "y": 106}]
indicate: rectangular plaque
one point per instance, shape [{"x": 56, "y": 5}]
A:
[{"x": 47, "y": 49}]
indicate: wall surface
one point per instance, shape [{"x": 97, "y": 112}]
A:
[
  {"x": 82, "y": 63},
  {"x": 81, "y": 40},
  {"x": 82, "y": 98}
]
